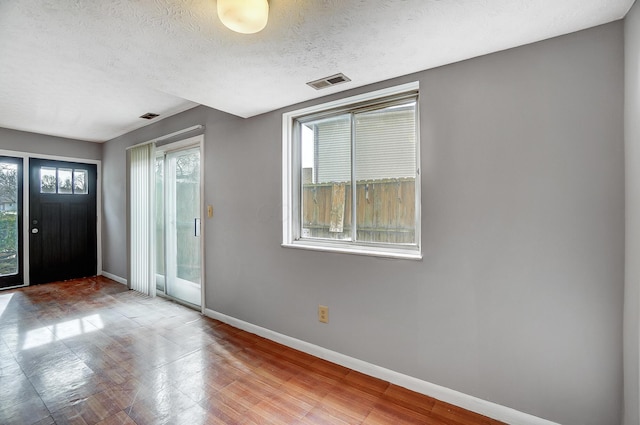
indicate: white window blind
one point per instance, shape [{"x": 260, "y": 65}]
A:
[
  {"x": 141, "y": 193},
  {"x": 385, "y": 141}
]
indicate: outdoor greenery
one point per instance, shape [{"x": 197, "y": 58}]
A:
[
  {"x": 8, "y": 243},
  {"x": 8, "y": 219},
  {"x": 187, "y": 178},
  {"x": 48, "y": 182},
  {"x": 8, "y": 183}
]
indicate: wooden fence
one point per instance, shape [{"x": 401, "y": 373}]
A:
[{"x": 385, "y": 210}]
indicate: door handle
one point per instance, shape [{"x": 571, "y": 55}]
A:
[
  {"x": 196, "y": 227},
  {"x": 34, "y": 230}
]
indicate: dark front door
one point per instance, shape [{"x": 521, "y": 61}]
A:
[{"x": 62, "y": 220}]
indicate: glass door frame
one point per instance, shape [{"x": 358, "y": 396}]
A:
[{"x": 196, "y": 142}]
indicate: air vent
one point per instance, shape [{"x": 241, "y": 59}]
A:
[
  {"x": 149, "y": 116},
  {"x": 329, "y": 81}
]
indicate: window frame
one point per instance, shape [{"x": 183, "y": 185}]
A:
[{"x": 292, "y": 175}]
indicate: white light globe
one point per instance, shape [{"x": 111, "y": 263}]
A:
[{"x": 244, "y": 16}]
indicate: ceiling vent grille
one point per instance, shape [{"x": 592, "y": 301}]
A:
[
  {"x": 149, "y": 116},
  {"x": 329, "y": 81}
]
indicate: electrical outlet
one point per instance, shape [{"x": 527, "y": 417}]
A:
[{"x": 323, "y": 313}]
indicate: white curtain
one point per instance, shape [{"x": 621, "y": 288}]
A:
[{"x": 142, "y": 219}]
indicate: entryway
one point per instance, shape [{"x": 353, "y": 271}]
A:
[{"x": 48, "y": 219}]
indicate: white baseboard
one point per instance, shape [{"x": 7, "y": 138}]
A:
[
  {"x": 474, "y": 404},
  {"x": 114, "y": 277}
]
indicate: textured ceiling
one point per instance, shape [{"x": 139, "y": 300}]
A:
[{"x": 88, "y": 69}]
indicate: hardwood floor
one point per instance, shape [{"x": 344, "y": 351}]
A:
[{"x": 90, "y": 351}]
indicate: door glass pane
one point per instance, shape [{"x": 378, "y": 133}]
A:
[
  {"x": 8, "y": 219},
  {"x": 65, "y": 178},
  {"x": 80, "y": 181},
  {"x": 182, "y": 222},
  {"x": 326, "y": 177},
  {"x": 385, "y": 145},
  {"x": 187, "y": 181},
  {"x": 160, "y": 227},
  {"x": 48, "y": 182}
]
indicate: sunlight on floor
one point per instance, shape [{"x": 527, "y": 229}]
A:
[
  {"x": 4, "y": 302},
  {"x": 62, "y": 330}
]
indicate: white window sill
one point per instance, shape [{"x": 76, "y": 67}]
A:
[{"x": 386, "y": 252}]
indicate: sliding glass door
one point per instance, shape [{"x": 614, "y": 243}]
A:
[{"x": 178, "y": 240}]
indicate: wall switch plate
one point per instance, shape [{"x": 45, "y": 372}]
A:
[
  {"x": 323, "y": 313},
  {"x": 209, "y": 211}
]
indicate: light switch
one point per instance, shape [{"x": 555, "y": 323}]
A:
[{"x": 209, "y": 211}]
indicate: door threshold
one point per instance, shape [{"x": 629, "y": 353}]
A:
[
  {"x": 24, "y": 285},
  {"x": 179, "y": 301}
]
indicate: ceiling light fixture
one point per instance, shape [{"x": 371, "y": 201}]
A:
[{"x": 244, "y": 16}]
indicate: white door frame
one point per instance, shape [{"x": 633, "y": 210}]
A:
[{"x": 192, "y": 142}]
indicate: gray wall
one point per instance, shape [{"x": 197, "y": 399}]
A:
[
  {"x": 632, "y": 265},
  {"x": 519, "y": 296},
  {"x": 114, "y": 193},
  {"x": 22, "y": 141}
]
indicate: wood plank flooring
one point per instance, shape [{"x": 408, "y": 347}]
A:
[{"x": 89, "y": 351}]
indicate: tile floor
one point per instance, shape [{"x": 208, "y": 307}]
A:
[{"x": 89, "y": 351}]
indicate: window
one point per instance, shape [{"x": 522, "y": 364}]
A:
[
  {"x": 65, "y": 175},
  {"x": 80, "y": 182},
  {"x": 63, "y": 181},
  {"x": 351, "y": 175}
]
